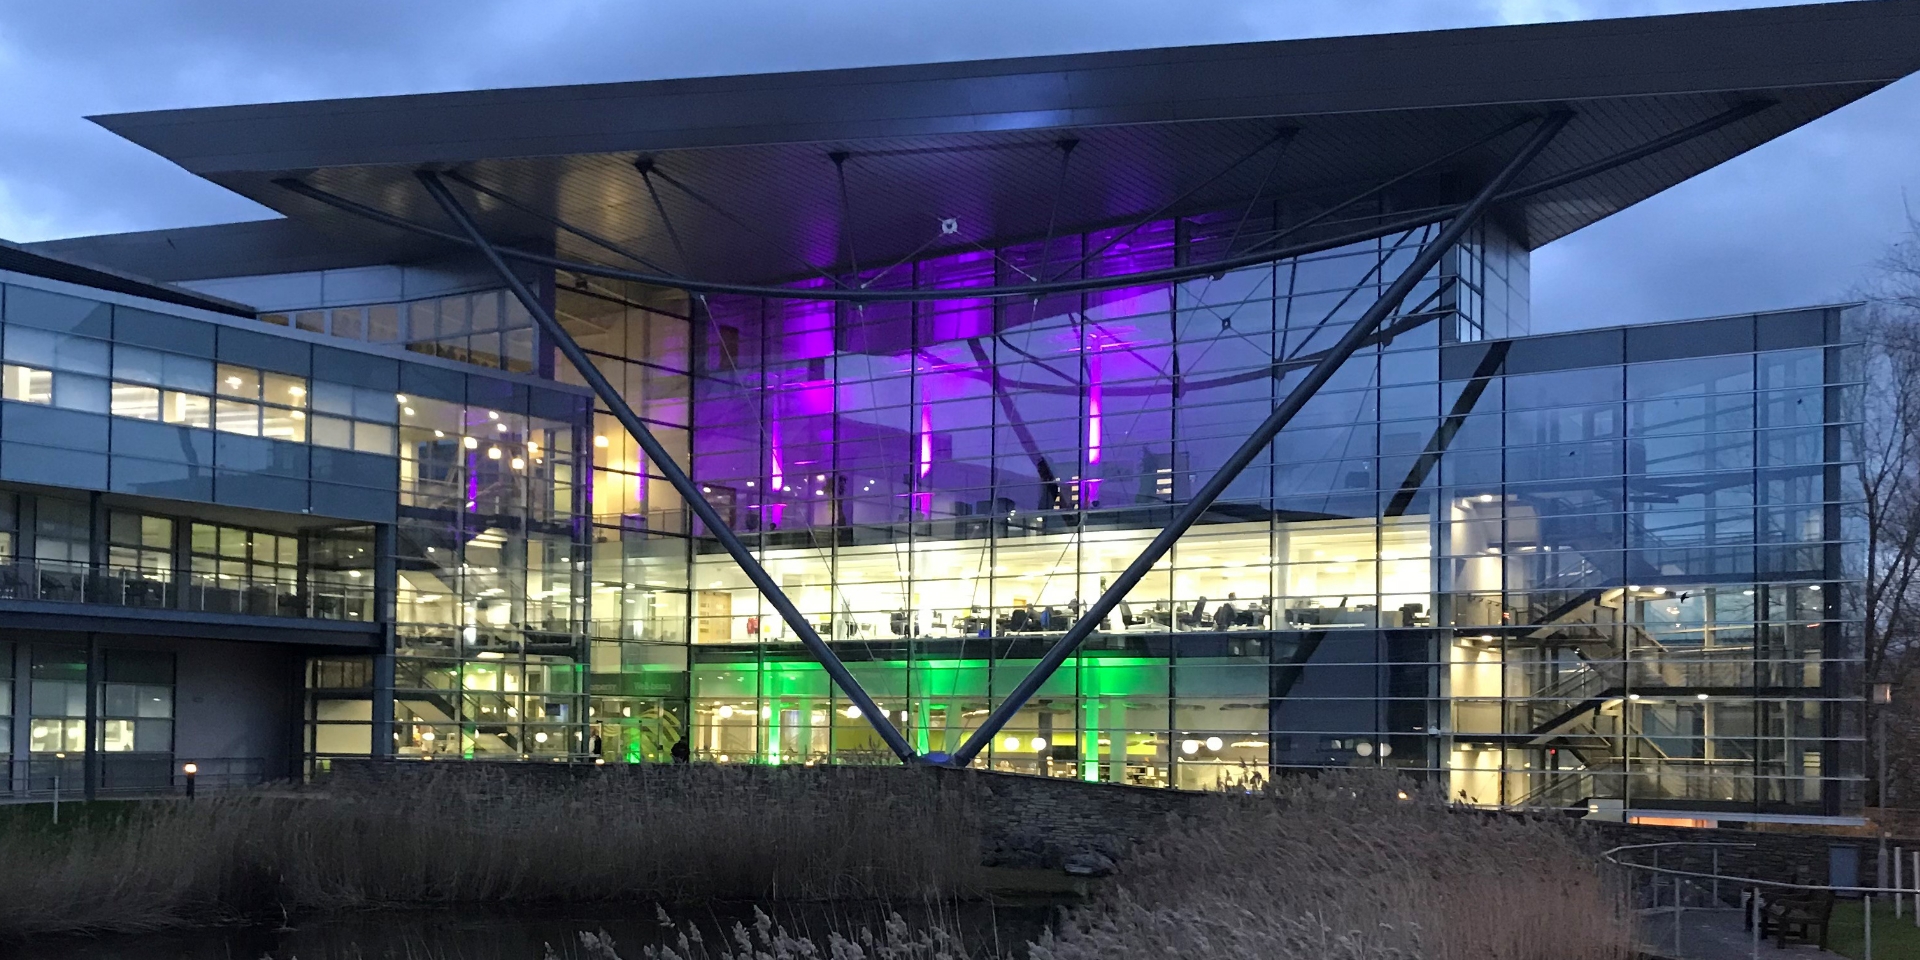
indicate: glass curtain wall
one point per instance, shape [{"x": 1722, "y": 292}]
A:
[
  {"x": 942, "y": 486},
  {"x": 1590, "y": 582},
  {"x": 540, "y": 590},
  {"x": 636, "y": 610},
  {"x": 490, "y": 567},
  {"x": 1643, "y": 564}
]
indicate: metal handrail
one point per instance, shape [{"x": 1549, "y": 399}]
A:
[
  {"x": 1609, "y": 856},
  {"x": 51, "y": 777},
  {"x": 64, "y": 582}
]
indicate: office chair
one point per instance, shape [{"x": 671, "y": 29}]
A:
[
  {"x": 1199, "y": 613},
  {"x": 1224, "y": 616}
]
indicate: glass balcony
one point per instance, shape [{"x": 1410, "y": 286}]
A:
[{"x": 76, "y": 583}]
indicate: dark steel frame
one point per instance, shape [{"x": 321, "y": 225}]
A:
[{"x": 663, "y": 461}]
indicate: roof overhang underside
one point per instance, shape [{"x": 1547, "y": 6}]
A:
[{"x": 978, "y": 142}]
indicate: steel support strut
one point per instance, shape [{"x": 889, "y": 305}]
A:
[
  {"x": 665, "y": 464},
  {"x": 1203, "y": 499}
]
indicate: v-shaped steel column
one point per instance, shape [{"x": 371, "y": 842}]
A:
[
  {"x": 663, "y": 462},
  {"x": 1203, "y": 499}
]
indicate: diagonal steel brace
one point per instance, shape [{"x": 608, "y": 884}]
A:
[
  {"x": 1428, "y": 257},
  {"x": 677, "y": 477}
]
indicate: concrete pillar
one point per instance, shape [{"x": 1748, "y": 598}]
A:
[
  {"x": 385, "y": 612},
  {"x": 96, "y": 674}
]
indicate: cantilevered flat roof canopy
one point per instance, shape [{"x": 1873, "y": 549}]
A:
[{"x": 749, "y": 183}]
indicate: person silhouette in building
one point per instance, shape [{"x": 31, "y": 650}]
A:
[
  {"x": 1049, "y": 485},
  {"x": 682, "y": 751}
]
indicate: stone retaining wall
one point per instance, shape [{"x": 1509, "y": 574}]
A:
[{"x": 1761, "y": 855}]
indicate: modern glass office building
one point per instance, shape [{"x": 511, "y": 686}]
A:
[{"x": 941, "y": 350}]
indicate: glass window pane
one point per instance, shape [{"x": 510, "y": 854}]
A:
[
  {"x": 333, "y": 432},
  {"x": 285, "y": 390},
  {"x": 238, "y": 381},
  {"x": 1564, "y": 388},
  {"x": 375, "y": 405},
  {"x": 116, "y": 736},
  {"x": 55, "y": 351},
  {"x": 288, "y": 425},
  {"x": 155, "y": 701},
  {"x": 350, "y": 322},
  {"x": 123, "y": 527},
  {"x": 117, "y": 699},
  {"x": 153, "y": 736},
  {"x": 383, "y": 323},
  {"x": 189, "y": 409},
  {"x": 373, "y": 438},
  {"x": 187, "y": 373},
  {"x": 82, "y": 355},
  {"x": 421, "y": 320},
  {"x": 32, "y": 347},
  {"x": 156, "y": 532},
  {"x": 332, "y": 398},
  {"x": 233, "y": 416},
  {"x": 141, "y": 403},
  {"x": 137, "y": 365},
  {"x": 27, "y": 384},
  {"x": 75, "y": 392}
]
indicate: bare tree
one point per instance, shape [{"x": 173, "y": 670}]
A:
[{"x": 1888, "y": 446}]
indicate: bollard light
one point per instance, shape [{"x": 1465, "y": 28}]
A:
[{"x": 192, "y": 770}]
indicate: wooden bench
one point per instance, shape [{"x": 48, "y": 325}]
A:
[{"x": 1800, "y": 918}]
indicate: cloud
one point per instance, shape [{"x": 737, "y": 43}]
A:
[{"x": 1799, "y": 220}]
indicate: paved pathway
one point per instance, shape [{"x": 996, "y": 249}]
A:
[{"x": 1714, "y": 935}]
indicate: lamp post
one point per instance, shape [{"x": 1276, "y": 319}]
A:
[
  {"x": 1882, "y": 696},
  {"x": 192, "y": 770},
  {"x": 60, "y": 760}
]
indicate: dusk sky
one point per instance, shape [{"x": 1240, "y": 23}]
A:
[{"x": 1800, "y": 220}]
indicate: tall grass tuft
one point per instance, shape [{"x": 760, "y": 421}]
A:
[
  {"x": 1339, "y": 867},
  {"x": 1349, "y": 867},
  {"x": 1343, "y": 867},
  {"x": 469, "y": 835}
]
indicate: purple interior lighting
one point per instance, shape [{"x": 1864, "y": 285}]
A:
[
  {"x": 804, "y": 328},
  {"x": 1090, "y": 487},
  {"x": 948, "y": 320},
  {"x": 777, "y": 474},
  {"x": 473, "y": 482},
  {"x": 925, "y": 498}
]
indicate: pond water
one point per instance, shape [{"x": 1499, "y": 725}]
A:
[{"x": 525, "y": 933}]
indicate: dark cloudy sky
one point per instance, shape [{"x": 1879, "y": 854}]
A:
[{"x": 1800, "y": 220}]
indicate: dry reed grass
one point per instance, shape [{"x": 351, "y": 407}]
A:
[
  {"x": 1340, "y": 867},
  {"x": 1343, "y": 868},
  {"x": 1334, "y": 868},
  {"x": 465, "y": 835}
]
